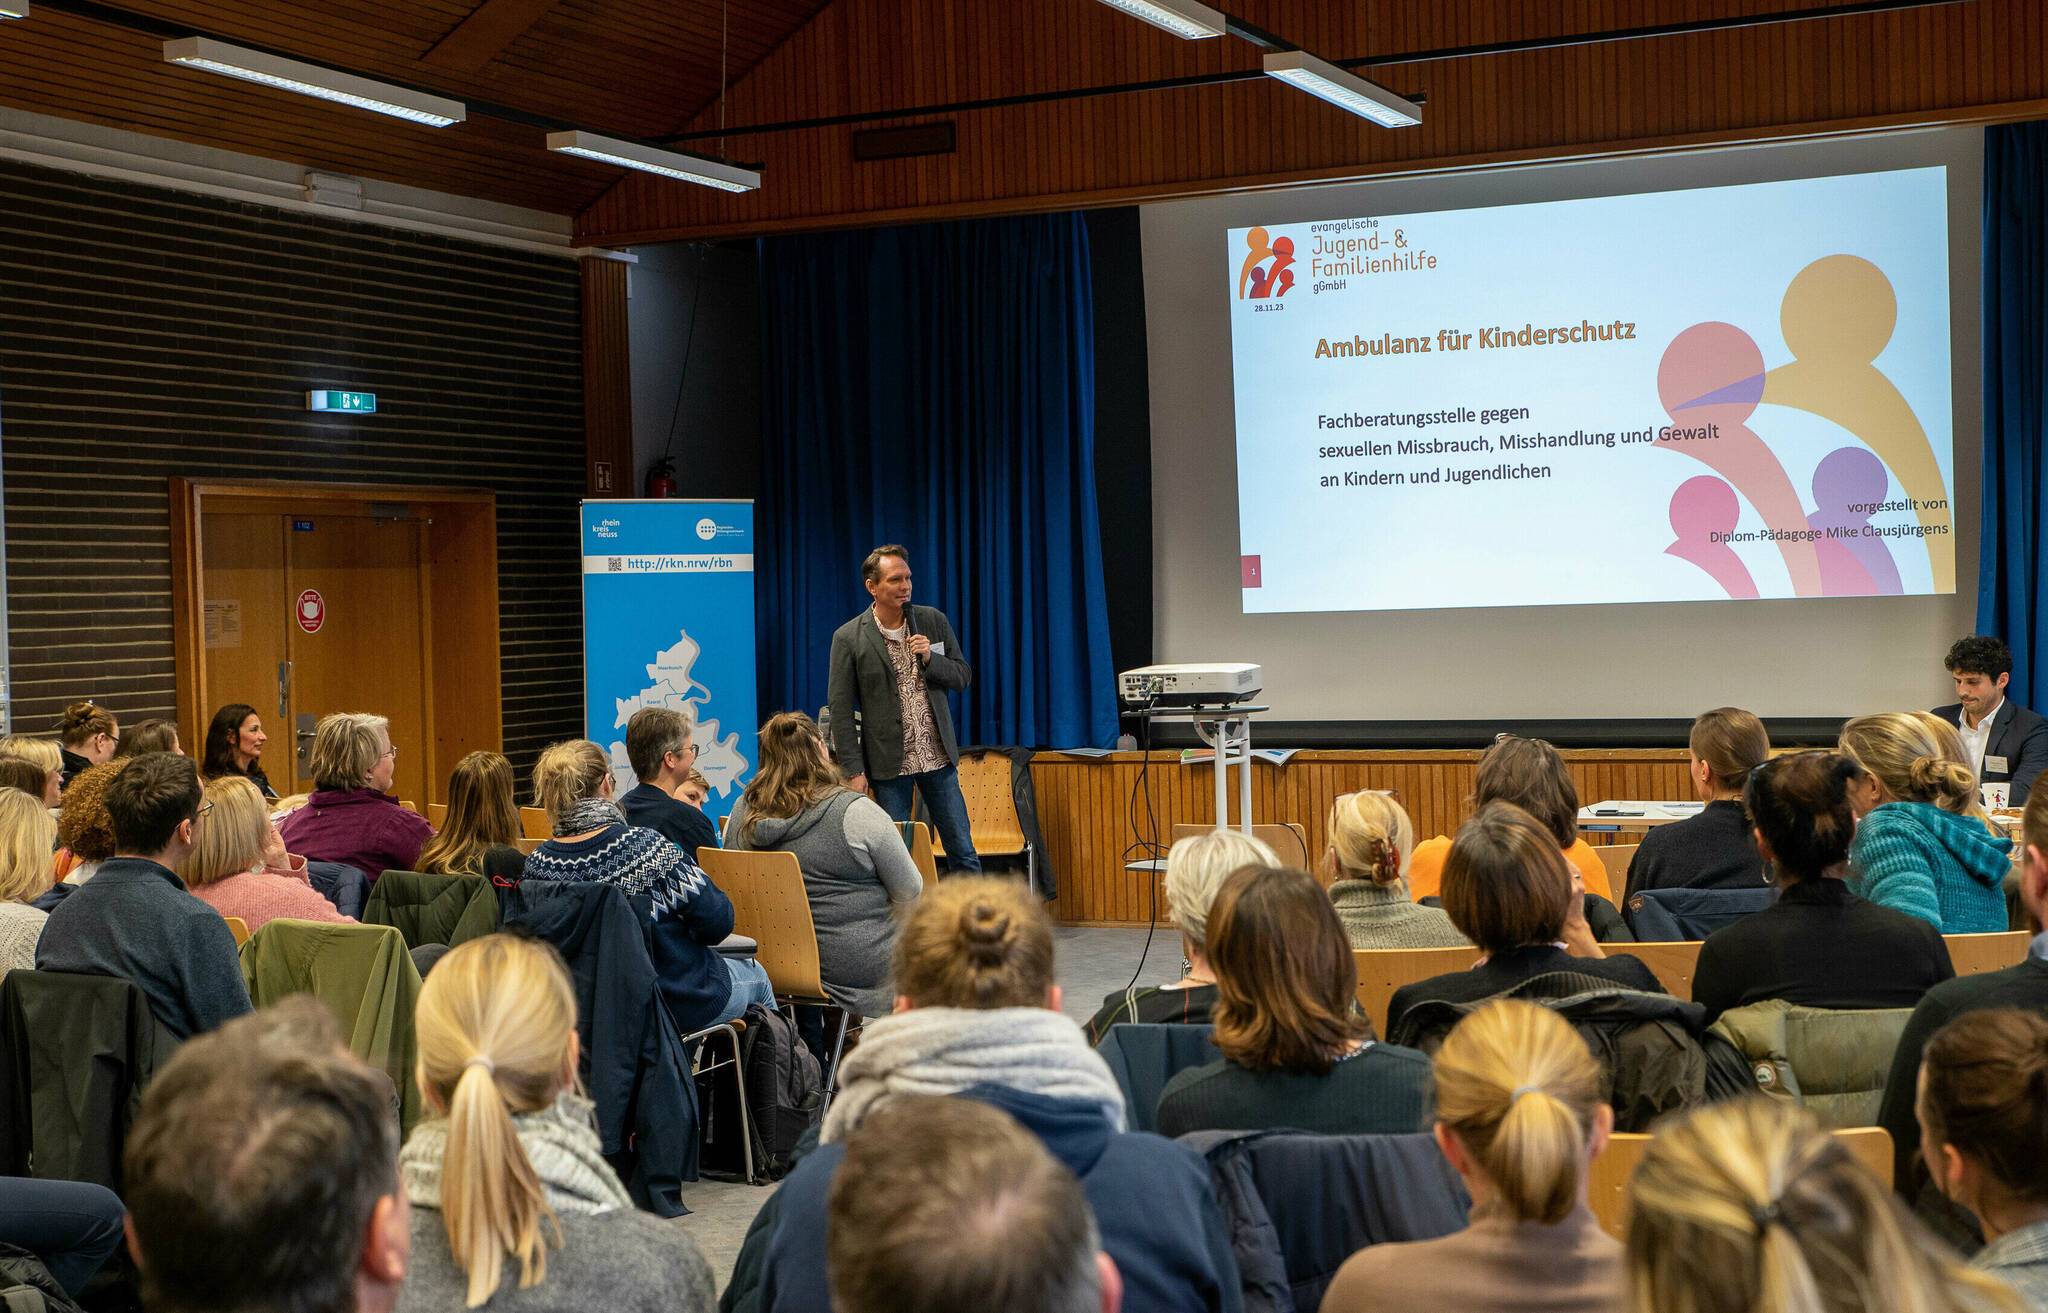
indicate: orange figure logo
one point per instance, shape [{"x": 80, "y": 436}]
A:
[{"x": 1265, "y": 272}]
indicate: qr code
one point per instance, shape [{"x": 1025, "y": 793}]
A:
[{"x": 615, "y": 564}]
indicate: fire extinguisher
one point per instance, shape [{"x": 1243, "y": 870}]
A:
[{"x": 661, "y": 478}]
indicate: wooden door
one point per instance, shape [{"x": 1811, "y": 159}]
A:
[
  {"x": 358, "y": 642},
  {"x": 246, "y": 614}
]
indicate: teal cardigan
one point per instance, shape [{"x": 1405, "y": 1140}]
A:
[{"x": 1946, "y": 869}]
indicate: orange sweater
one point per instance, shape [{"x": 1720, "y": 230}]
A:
[{"x": 1426, "y": 868}]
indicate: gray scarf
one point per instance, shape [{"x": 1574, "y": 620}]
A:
[
  {"x": 560, "y": 1141},
  {"x": 946, "y": 1050},
  {"x": 587, "y": 814}
]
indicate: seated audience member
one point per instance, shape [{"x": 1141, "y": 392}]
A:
[
  {"x": 84, "y": 830},
  {"x": 1818, "y": 946},
  {"x": 150, "y": 736},
  {"x": 514, "y": 1206},
  {"x": 1713, "y": 850},
  {"x": 46, "y": 756},
  {"x": 1371, "y": 840},
  {"x": 978, "y": 1014},
  {"x": 87, "y": 735},
  {"x": 857, "y": 872},
  {"x": 351, "y": 817},
  {"x": 1751, "y": 1206},
  {"x": 2002, "y": 742},
  {"x": 659, "y": 747},
  {"x": 135, "y": 920},
  {"x": 1983, "y": 1111},
  {"x": 25, "y": 776},
  {"x": 1297, "y": 1053},
  {"x": 947, "y": 1204},
  {"x": 71, "y": 1226},
  {"x": 27, "y": 870},
  {"x": 685, "y": 914},
  {"x": 1530, "y": 774},
  {"x": 696, "y": 790},
  {"x": 1922, "y": 844},
  {"x": 2024, "y": 986},
  {"x": 1508, "y": 890},
  {"x": 226, "y": 868},
  {"x": 480, "y": 833},
  {"x": 234, "y": 746},
  {"x": 1520, "y": 1113},
  {"x": 262, "y": 1174},
  {"x": 1196, "y": 868}
]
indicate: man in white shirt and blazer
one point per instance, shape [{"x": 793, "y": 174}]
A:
[{"x": 2005, "y": 743}]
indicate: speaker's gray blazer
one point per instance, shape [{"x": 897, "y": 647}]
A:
[{"x": 863, "y": 680}]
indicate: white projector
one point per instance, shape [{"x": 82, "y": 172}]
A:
[{"x": 1197, "y": 684}]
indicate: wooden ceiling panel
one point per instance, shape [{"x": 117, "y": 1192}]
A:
[{"x": 1963, "y": 61}]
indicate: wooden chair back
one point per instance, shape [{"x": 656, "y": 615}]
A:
[
  {"x": 533, "y": 821},
  {"x": 1381, "y": 971},
  {"x": 437, "y": 813},
  {"x": 526, "y": 845},
  {"x": 770, "y": 906},
  {"x": 412, "y": 807},
  {"x": 991, "y": 806},
  {"x": 1975, "y": 954},
  {"x": 1615, "y": 857},
  {"x": 1607, "y": 1185},
  {"x": 238, "y": 928},
  {"x": 917, "y": 837},
  {"x": 1288, "y": 840},
  {"x": 1673, "y": 962}
]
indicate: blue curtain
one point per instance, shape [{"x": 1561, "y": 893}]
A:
[
  {"x": 935, "y": 386},
  {"x": 2014, "y": 568}
]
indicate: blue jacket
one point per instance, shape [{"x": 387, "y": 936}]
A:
[
  {"x": 135, "y": 920},
  {"x": 1946, "y": 869},
  {"x": 1153, "y": 1203}
]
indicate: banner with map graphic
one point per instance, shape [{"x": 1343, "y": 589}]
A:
[{"x": 668, "y": 621}]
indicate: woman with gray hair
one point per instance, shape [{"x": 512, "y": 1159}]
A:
[
  {"x": 1196, "y": 868},
  {"x": 352, "y": 817}
]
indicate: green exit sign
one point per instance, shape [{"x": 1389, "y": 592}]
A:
[{"x": 355, "y": 403}]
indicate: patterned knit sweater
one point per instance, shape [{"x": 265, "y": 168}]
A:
[
  {"x": 1383, "y": 916},
  {"x": 20, "y": 927},
  {"x": 685, "y": 915},
  {"x": 1946, "y": 869}
]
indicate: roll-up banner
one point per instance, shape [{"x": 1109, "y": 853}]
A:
[{"x": 668, "y": 621}]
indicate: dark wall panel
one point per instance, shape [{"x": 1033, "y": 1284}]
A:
[{"x": 146, "y": 334}]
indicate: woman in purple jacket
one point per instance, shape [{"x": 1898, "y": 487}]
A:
[{"x": 352, "y": 817}]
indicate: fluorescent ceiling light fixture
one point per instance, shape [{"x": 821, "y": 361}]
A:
[
  {"x": 651, "y": 159},
  {"x": 13, "y": 8},
  {"x": 312, "y": 80},
  {"x": 1184, "y": 18},
  {"x": 1347, "y": 91}
]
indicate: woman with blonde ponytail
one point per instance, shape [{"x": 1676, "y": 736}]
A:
[
  {"x": 1751, "y": 1206},
  {"x": 1520, "y": 1114},
  {"x": 1922, "y": 844},
  {"x": 514, "y": 1206},
  {"x": 1366, "y": 870}
]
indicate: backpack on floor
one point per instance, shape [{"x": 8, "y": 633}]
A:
[
  {"x": 785, "y": 1097},
  {"x": 26, "y": 1286}
]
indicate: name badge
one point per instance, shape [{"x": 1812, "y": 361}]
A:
[
  {"x": 939, "y": 649},
  {"x": 1995, "y": 765}
]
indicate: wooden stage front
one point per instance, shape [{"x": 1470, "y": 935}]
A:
[{"x": 1086, "y": 806}]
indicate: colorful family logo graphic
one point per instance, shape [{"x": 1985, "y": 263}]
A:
[
  {"x": 1837, "y": 316},
  {"x": 1266, "y": 272}
]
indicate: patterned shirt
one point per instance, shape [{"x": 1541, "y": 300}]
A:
[
  {"x": 921, "y": 750},
  {"x": 2020, "y": 1258}
]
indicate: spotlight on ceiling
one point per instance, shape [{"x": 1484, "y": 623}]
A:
[
  {"x": 312, "y": 80},
  {"x": 1347, "y": 91},
  {"x": 651, "y": 159},
  {"x": 1184, "y": 18}
]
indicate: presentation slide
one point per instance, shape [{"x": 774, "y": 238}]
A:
[{"x": 1692, "y": 395}]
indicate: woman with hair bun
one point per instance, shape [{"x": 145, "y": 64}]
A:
[
  {"x": 88, "y": 734},
  {"x": 1922, "y": 845},
  {"x": 1712, "y": 850},
  {"x": 514, "y": 1206},
  {"x": 1819, "y": 945},
  {"x": 1983, "y": 1112},
  {"x": 1520, "y": 1113},
  {"x": 1366, "y": 868},
  {"x": 978, "y": 1015},
  {"x": 1751, "y": 1206}
]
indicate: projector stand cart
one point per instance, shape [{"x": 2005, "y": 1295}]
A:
[{"x": 1229, "y": 731}]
